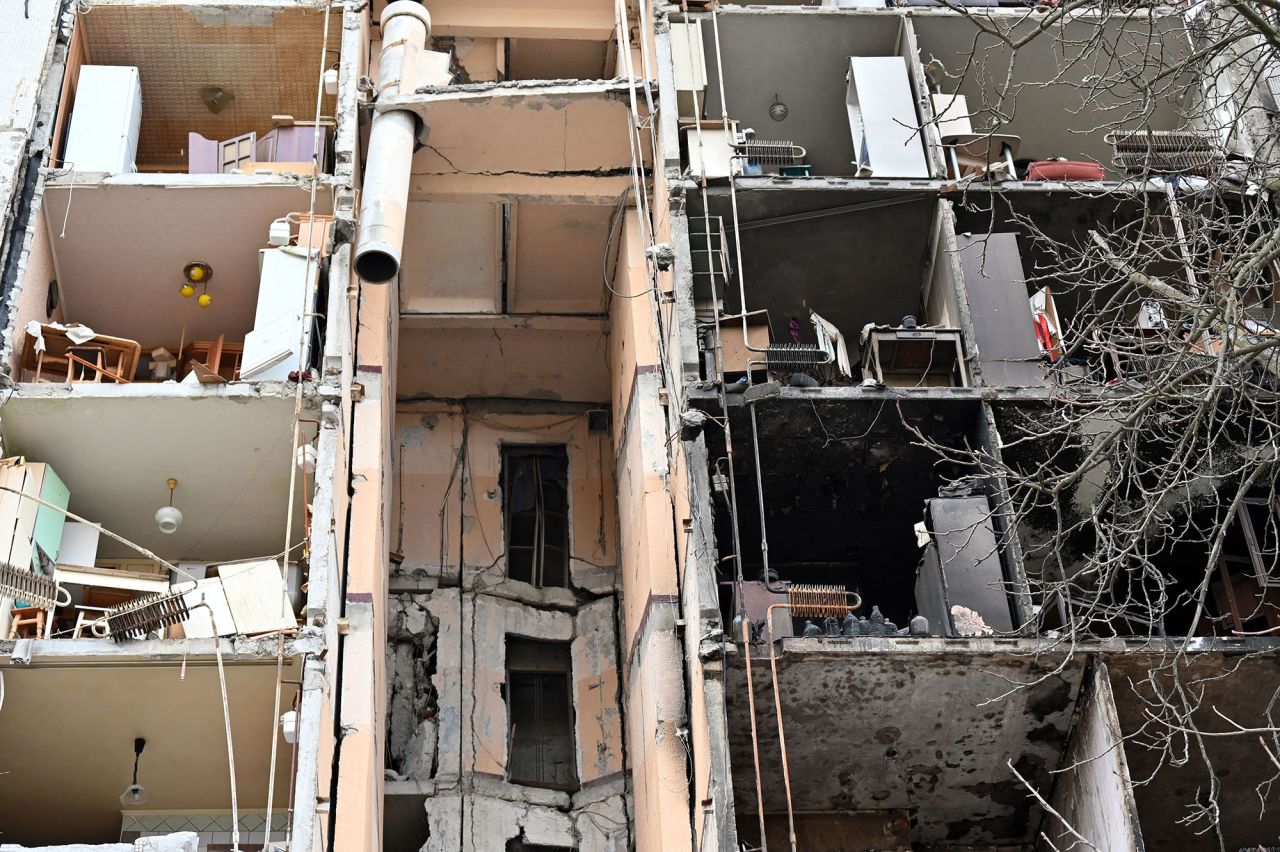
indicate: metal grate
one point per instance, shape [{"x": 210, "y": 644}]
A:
[
  {"x": 28, "y": 586},
  {"x": 767, "y": 153},
  {"x": 792, "y": 357},
  {"x": 137, "y": 618},
  {"x": 818, "y": 601},
  {"x": 1166, "y": 151}
]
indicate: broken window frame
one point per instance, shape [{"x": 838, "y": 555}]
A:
[
  {"x": 1268, "y": 575},
  {"x": 541, "y": 665},
  {"x": 539, "y": 547}
]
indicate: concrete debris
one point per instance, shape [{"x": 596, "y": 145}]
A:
[
  {"x": 968, "y": 622},
  {"x": 411, "y": 704}
]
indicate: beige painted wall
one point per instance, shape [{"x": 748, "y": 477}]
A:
[
  {"x": 30, "y": 301},
  {"x": 429, "y": 440},
  {"x": 656, "y": 712},
  {"x": 471, "y": 667},
  {"x": 546, "y": 358}
]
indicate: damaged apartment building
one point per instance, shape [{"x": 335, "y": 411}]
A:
[{"x": 547, "y": 426}]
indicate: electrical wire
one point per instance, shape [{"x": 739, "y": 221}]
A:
[{"x": 306, "y": 317}]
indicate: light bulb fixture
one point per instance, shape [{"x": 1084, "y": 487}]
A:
[
  {"x": 135, "y": 793},
  {"x": 778, "y": 110},
  {"x": 168, "y": 518},
  {"x": 289, "y": 726},
  {"x": 195, "y": 274},
  {"x": 216, "y": 98}
]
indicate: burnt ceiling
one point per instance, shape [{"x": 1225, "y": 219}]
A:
[{"x": 875, "y": 729}]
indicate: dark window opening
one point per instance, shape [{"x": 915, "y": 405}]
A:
[
  {"x": 540, "y": 714},
  {"x": 518, "y": 845},
  {"x": 535, "y": 495}
]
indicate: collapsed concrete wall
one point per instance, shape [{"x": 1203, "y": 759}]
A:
[
  {"x": 589, "y": 821},
  {"x": 449, "y": 721},
  {"x": 411, "y": 700}
]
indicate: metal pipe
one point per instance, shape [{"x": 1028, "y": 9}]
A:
[
  {"x": 855, "y": 603},
  {"x": 755, "y": 740},
  {"x": 405, "y": 28}
]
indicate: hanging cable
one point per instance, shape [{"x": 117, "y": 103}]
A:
[
  {"x": 231, "y": 754},
  {"x": 307, "y": 317}
]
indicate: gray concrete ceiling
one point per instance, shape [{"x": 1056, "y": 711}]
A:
[{"x": 836, "y": 265}]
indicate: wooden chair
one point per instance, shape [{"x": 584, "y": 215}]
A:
[
  {"x": 27, "y": 622},
  {"x": 104, "y": 358},
  {"x": 217, "y": 358},
  {"x": 89, "y": 615}
]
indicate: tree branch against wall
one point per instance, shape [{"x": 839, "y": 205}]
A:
[{"x": 1144, "y": 485}]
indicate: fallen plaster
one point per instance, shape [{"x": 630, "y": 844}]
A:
[
  {"x": 183, "y": 841},
  {"x": 595, "y": 825}
]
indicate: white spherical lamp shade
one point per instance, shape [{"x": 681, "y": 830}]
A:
[{"x": 168, "y": 518}]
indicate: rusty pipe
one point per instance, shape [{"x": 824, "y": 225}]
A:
[
  {"x": 856, "y": 603},
  {"x": 755, "y": 740}
]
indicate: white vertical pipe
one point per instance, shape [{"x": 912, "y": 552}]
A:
[{"x": 405, "y": 24}]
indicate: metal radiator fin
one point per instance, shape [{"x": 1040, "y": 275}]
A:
[
  {"x": 790, "y": 357},
  {"x": 810, "y": 601},
  {"x": 137, "y": 618},
  {"x": 27, "y": 586},
  {"x": 771, "y": 152},
  {"x": 1192, "y": 152}
]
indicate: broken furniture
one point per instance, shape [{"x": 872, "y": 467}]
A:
[
  {"x": 971, "y": 154},
  {"x": 882, "y": 119},
  {"x": 106, "y": 120},
  {"x": 30, "y": 533},
  {"x": 1246, "y": 588},
  {"x": 960, "y": 584},
  {"x": 245, "y": 598},
  {"x": 1132, "y": 353},
  {"x": 73, "y": 353},
  {"x": 982, "y": 155},
  {"x": 284, "y": 320},
  {"x": 914, "y": 356},
  {"x": 285, "y": 149},
  {"x": 1004, "y": 324},
  {"x": 213, "y": 361},
  {"x": 106, "y": 587}
]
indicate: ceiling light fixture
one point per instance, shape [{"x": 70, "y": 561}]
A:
[
  {"x": 778, "y": 110},
  {"x": 135, "y": 793},
  {"x": 216, "y": 98},
  {"x": 195, "y": 274},
  {"x": 169, "y": 518}
]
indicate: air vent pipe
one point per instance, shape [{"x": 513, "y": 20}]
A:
[{"x": 405, "y": 28}]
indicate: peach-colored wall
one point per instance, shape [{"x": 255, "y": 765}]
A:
[
  {"x": 429, "y": 438},
  {"x": 647, "y": 535},
  {"x": 31, "y": 300},
  {"x": 359, "y": 823},
  {"x": 547, "y": 358}
]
